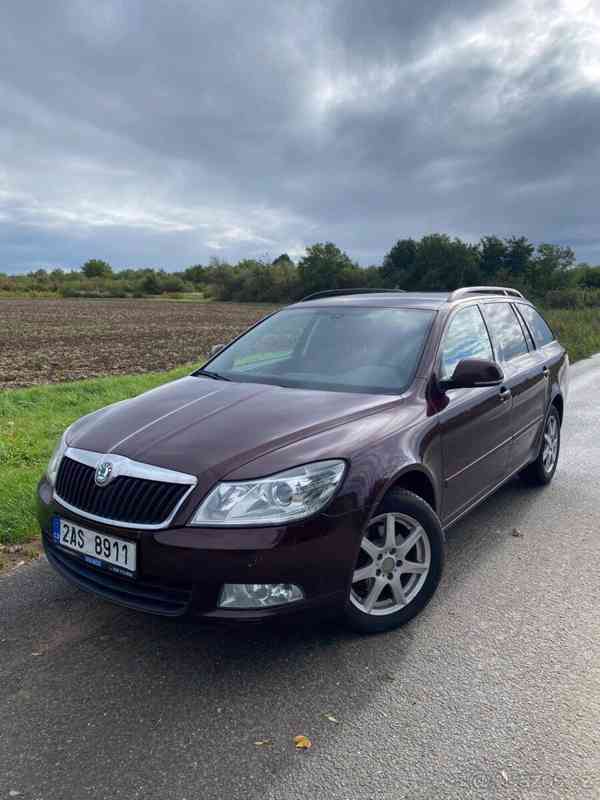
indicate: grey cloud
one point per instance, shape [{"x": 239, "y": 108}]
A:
[{"x": 167, "y": 133}]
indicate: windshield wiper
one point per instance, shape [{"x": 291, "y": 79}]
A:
[{"x": 210, "y": 374}]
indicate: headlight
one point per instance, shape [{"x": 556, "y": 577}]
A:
[
  {"x": 56, "y": 458},
  {"x": 279, "y": 498}
]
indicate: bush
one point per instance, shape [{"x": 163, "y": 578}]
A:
[
  {"x": 578, "y": 330},
  {"x": 172, "y": 284},
  {"x": 573, "y": 298},
  {"x": 150, "y": 284}
]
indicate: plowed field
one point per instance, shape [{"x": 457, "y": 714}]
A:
[{"x": 50, "y": 341}]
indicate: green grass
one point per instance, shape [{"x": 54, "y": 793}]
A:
[
  {"x": 33, "y": 295},
  {"x": 182, "y": 297},
  {"x": 578, "y": 330},
  {"x": 31, "y": 422}
]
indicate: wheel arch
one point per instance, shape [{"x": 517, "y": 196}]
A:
[
  {"x": 417, "y": 479},
  {"x": 559, "y": 403}
]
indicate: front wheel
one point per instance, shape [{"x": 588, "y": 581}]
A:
[
  {"x": 541, "y": 471},
  {"x": 399, "y": 564}
]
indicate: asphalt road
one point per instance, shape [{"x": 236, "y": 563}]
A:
[{"x": 493, "y": 692}]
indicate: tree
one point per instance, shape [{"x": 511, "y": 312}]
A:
[
  {"x": 493, "y": 257},
  {"x": 96, "y": 268},
  {"x": 150, "y": 284},
  {"x": 589, "y": 276},
  {"x": 548, "y": 269},
  {"x": 283, "y": 260},
  {"x": 518, "y": 254},
  {"x": 443, "y": 264},
  {"x": 398, "y": 270},
  {"x": 325, "y": 266},
  {"x": 195, "y": 274},
  {"x": 285, "y": 280}
]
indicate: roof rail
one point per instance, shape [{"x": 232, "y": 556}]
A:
[
  {"x": 467, "y": 290},
  {"x": 341, "y": 292}
]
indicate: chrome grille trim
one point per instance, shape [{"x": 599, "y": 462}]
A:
[{"x": 133, "y": 469}]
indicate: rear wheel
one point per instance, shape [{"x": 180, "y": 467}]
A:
[
  {"x": 399, "y": 564},
  {"x": 541, "y": 471}
]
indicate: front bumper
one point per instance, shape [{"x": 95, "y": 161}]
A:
[{"x": 181, "y": 570}]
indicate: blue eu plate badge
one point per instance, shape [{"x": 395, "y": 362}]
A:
[{"x": 56, "y": 529}]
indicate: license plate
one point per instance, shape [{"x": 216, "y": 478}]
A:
[{"x": 99, "y": 549}]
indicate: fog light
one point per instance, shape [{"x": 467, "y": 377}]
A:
[{"x": 258, "y": 595}]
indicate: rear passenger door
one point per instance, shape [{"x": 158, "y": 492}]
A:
[
  {"x": 525, "y": 375},
  {"x": 475, "y": 426}
]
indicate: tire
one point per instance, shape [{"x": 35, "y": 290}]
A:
[
  {"x": 378, "y": 600},
  {"x": 541, "y": 471}
]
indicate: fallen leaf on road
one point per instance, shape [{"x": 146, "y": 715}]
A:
[
  {"x": 504, "y": 775},
  {"x": 263, "y": 742},
  {"x": 331, "y": 718},
  {"x": 517, "y": 533},
  {"x": 302, "y": 742}
]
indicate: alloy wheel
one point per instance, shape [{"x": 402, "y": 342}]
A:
[
  {"x": 550, "y": 447},
  {"x": 393, "y": 564}
]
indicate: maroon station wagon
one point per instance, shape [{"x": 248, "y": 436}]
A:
[{"x": 314, "y": 463}]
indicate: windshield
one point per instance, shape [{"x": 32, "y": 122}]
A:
[{"x": 373, "y": 350}]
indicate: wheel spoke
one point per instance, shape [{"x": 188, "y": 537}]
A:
[
  {"x": 374, "y": 593},
  {"x": 415, "y": 567},
  {"x": 363, "y": 573},
  {"x": 369, "y": 548},
  {"x": 413, "y": 537},
  {"x": 398, "y": 591},
  {"x": 390, "y": 531}
]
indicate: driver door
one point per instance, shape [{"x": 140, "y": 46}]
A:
[{"x": 475, "y": 426}]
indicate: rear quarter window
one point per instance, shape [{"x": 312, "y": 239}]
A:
[
  {"x": 538, "y": 326},
  {"x": 506, "y": 330}
]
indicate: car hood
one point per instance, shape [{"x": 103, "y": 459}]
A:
[{"x": 208, "y": 427}]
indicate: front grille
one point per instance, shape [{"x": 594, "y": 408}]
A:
[
  {"x": 168, "y": 601},
  {"x": 126, "y": 499}
]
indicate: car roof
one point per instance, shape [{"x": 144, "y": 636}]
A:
[
  {"x": 430, "y": 300},
  {"x": 400, "y": 299}
]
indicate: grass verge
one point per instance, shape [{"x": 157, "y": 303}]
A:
[
  {"x": 578, "y": 330},
  {"x": 31, "y": 422}
]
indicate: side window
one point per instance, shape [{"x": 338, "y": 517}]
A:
[
  {"x": 506, "y": 330},
  {"x": 538, "y": 327},
  {"x": 466, "y": 337}
]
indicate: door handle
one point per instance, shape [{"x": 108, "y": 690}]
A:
[
  {"x": 505, "y": 393},
  {"x": 546, "y": 372}
]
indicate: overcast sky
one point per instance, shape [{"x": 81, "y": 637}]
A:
[{"x": 163, "y": 133}]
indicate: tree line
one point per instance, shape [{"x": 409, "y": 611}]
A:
[{"x": 546, "y": 272}]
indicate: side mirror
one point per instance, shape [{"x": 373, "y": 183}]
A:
[
  {"x": 216, "y": 348},
  {"x": 471, "y": 373}
]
